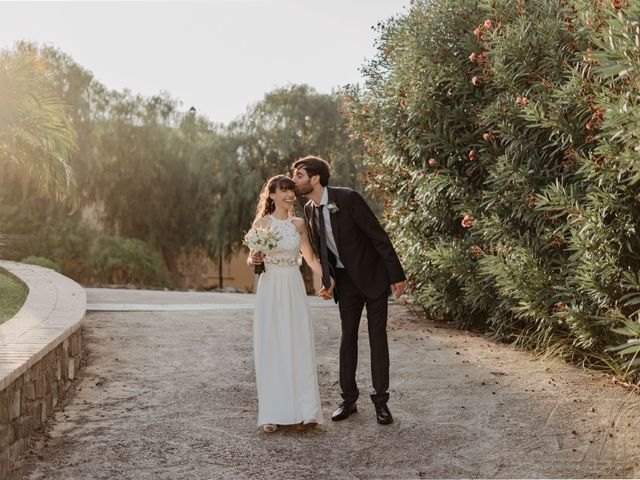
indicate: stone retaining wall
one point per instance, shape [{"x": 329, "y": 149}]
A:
[{"x": 40, "y": 351}]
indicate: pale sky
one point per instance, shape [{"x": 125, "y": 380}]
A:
[{"x": 219, "y": 56}]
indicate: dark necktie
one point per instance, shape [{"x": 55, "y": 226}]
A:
[{"x": 324, "y": 254}]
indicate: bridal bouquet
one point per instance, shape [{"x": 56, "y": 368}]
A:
[{"x": 260, "y": 240}]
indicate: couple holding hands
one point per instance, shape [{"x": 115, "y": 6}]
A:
[{"x": 343, "y": 242}]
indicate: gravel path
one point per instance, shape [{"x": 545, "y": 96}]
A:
[{"x": 171, "y": 395}]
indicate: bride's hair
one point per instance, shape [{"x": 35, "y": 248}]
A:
[{"x": 266, "y": 205}]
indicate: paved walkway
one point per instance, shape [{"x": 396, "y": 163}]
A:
[
  {"x": 171, "y": 395},
  {"x": 110, "y": 300},
  {"x": 44, "y": 321}
]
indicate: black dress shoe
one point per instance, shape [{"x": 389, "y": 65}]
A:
[
  {"x": 344, "y": 410},
  {"x": 383, "y": 415}
]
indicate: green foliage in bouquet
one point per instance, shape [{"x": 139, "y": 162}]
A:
[{"x": 503, "y": 136}]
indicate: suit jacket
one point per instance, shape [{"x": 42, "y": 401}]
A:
[{"x": 363, "y": 246}]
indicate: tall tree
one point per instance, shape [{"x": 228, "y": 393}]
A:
[
  {"x": 288, "y": 123},
  {"x": 35, "y": 224},
  {"x": 37, "y": 138},
  {"x": 86, "y": 99}
]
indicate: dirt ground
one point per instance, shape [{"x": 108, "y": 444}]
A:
[{"x": 171, "y": 395}]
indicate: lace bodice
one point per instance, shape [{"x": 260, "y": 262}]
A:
[{"x": 287, "y": 252}]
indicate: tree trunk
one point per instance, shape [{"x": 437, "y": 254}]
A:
[
  {"x": 220, "y": 273},
  {"x": 170, "y": 262}
]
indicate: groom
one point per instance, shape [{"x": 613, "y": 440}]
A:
[{"x": 354, "y": 249}]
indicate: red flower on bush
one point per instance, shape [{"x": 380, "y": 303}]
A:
[
  {"x": 432, "y": 162},
  {"x": 472, "y": 155},
  {"x": 467, "y": 221},
  {"x": 478, "y": 31},
  {"x": 475, "y": 81},
  {"x": 589, "y": 58},
  {"x": 522, "y": 100},
  {"x": 473, "y": 57},
  {"x": 488, "y": 137}
]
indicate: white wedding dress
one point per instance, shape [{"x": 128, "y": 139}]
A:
[{"x": 284, "y": 348}]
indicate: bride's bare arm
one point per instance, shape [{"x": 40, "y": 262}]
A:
[
  {"x": 311, "y": 259},
  {"x": 307, "y": 250}
]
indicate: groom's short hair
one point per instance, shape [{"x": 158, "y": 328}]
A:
[{"x": 314, "y": 166}]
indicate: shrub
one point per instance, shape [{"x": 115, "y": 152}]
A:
[
  {"x": 120, "y": 260},
  {"x": 503, "y": 136},
  {"x": 41, "y": 228},
  {"x": 41, "y": 262}
]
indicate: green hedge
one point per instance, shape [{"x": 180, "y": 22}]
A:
[
  {"x": 122, "y": 260},
  {"x": 41, "y": 262},
  {"x": 504, "y": 137},
  {"x": 40, "y": 228},
  {"x": 46, "y": 237}
]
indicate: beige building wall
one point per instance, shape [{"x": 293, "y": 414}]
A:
[{"x": 201, "y": 272}]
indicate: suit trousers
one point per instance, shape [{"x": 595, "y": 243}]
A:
[{"x": 351, "y": 302}]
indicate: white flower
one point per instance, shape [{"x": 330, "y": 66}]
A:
[
  {"x": 261, "y": 240},
  {"x": 332, "y": 207}
]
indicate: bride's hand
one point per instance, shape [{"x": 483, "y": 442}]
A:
[
  {"x": 327, "y": 293},
  {"x": 255, "y": 258}
]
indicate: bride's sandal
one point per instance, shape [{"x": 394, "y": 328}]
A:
[{"x": 270, "y": 428}]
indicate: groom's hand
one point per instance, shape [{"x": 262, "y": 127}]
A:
[
  {"x": 326, "y": 294},
  {"x": 398, "y": 288}
]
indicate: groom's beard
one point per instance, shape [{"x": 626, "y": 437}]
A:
[{"x": 304, "y": 190}]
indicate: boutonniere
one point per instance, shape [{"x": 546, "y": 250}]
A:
[{"x": 332, "y": 207}]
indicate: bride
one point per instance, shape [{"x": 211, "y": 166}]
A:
[{"x": 283, "y": 342}]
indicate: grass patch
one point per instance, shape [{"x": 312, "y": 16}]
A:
[{"x": 13, "y": 293}]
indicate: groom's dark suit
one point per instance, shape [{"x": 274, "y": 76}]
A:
[{"x": 371, "y": 265}]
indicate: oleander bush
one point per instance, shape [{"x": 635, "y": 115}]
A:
[{"x": 503, "y": 137}]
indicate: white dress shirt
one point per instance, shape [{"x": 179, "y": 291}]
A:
[{"x": 331, "y": 242}]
